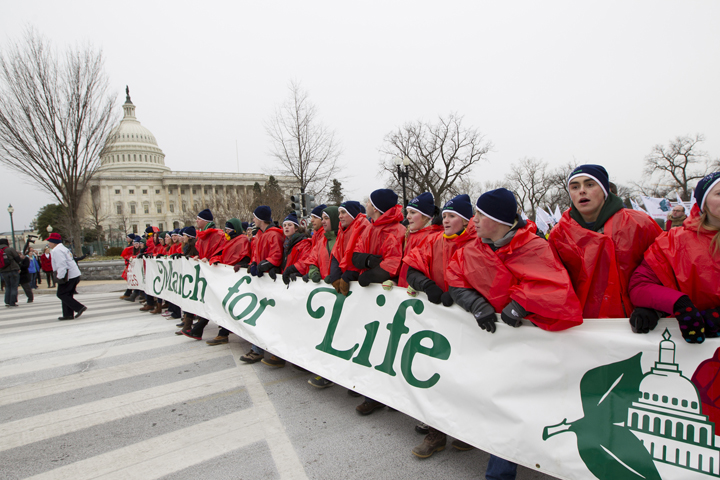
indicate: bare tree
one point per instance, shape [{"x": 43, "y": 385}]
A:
[
  {"x": 558, "y": 193},
  {"x": 530, "y": 180},
  {"x": 441, "y": 154},
  {"x": 305, "y": 148},
  {"x": 55, "y": 117},
  {"x": 679, "y": 164}
]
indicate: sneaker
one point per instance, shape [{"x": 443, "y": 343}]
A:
[
  {"x": 274, "y": 361},
  {"x": 251, "y": 357},
  {"x": 320, "y": 382},
  {"x": 80, "y": 312},
  {"x": 219, "y": 340},
  {"x": 423, "y": 428},
  {"x": 462, "y": 446},
  {"x": 368, "y": 406},
  {"x": 433, "y": 442},
  {"x": 189, "y": 333}
]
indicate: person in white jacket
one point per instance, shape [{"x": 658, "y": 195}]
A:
[{"x": 67, "y": 274}]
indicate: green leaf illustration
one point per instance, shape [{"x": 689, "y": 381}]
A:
[{"x": 610, "y": 452}]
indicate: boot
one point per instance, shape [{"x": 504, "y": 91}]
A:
[
  {"x": 146, "y": 308},
  {"x": 434, "y": 442},
  {"x": 197, "y": 329},
  {"x": 186, "y": 324},
  {"x": 219, "y": 340},
  {"x": 157, "y": 309}
]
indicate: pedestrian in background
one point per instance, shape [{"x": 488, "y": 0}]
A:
[
  {"x": 34, "y": 269},
  {"x": 676, "y": 217},
  {"x": 10, "y": 271},
  {"x": 67, "y": 274},
  {"x": 25, "y": 277},
  {"x": 46, "y": 267}
]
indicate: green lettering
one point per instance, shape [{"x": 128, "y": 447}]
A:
[
  {"x": 189, "y": 279},
  {"x": 326, "y": 344},
  {"x": 397, "y": 329},
  {"x": 440, "y": 349},
  {"x": 363, "y": 356},
  {"x": 199, "y": 279},
  {"x": 235, "y": 289}
]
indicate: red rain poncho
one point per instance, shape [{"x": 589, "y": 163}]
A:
[
  {"x": 268, "y": 245},
  {"x": 347, "y": 240},
  {"x": 234, "y": 251},
  {"x": 527, "y": 271},
  {"x": 600, "y": 264},
  {"x": 127, "y": 254},
  {"x": 385, "y": 237},
  {"x": 210, "y": 242},
  {"x": 299, "y": 255},
  {"x": 417, "y": 240},
  {"x": 682, "y": 260}
]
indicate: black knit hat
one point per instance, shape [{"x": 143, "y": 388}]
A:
[
  {"x": 263, "y": 213},
  {"x": 189, "y": 231},
  {"x": 317, "y": 211},
  {"x": 206, "y": 215},
  {"x": 423, "y": 203},
  {"x": 292, "y": 217},
  {"x": 596, "y": 172},
  {"x": 461, "y": 205},
  {"x": 383, "y": 199},
  {"x": 703, "y": 187},
  {"x": 499, "y": 205},
  {"x": 351, "y": 207}
]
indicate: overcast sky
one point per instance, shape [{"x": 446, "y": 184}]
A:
[{"x": 596, "y": 82}]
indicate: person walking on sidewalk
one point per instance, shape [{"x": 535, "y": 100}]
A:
[
  {"x": 10, "y": 271},
  {"x": 46, "y": 266},
  {"x": 67, "y": 274}
]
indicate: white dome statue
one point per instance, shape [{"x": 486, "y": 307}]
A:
[{"x": 132, "y": 147}]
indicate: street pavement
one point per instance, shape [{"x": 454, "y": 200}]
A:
[{"x": 116, "y": 394}]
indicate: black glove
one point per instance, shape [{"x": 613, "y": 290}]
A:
[
  {"x": 374, "y": 261},
  {"x": 692, "y": 323},
  {"x": 511, "y": 316},
  {"x": 712, "y": 322},
  {"x": 434, "y": 293},
  {"x": 486, "y": 322},
  {"x": 272, "y": 273},
  {"x": 305, "y": 278},
  {"x": 375, "y": 275},
  {"x": 253, "y": 270},
  {"x": 446, "y": 299},
  {"x": 265, "y": 266},
  {"x": 290, "y": 274},
  {"x": 359, "y": 260},
  {"x": 642, "y": 320}
]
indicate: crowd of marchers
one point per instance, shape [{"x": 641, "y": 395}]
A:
[{"x": 601, "y": 260}]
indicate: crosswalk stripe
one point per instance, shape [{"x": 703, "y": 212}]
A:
[
  {"x": 67, "y": 383},
  {"x": 42, "y": 315},
  {"x": 109, "y": 351},
  {"x": 42, "y": 427},
  {"x": 169, "y": 453}
]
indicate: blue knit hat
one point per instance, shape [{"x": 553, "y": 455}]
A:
[
  {"x": 292, "y": 218},
  {"x": 383, "y": 199},
  {"x": 205, "y": 215},
  {"x": 263, "y": 213},
  {"x": 177, "y": 231},
  {"x": 131, "y": 236},
  {"x": 352, "y": 208},
  {"x": 189, "y": 231},
  {"x": 245, "y": 225},
  {"x": 596, "y": 172},
  {"x": 499, "y": 205},
  {"x": 703, "y": 187},
  {"x": 460, "y": 205},
  {"x": 423, "y": 203},
  {"x": 317, "y": 211}
]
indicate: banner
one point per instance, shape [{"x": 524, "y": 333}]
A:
[
  {"x": 594, "y": 401},
  {"x": 657, "y": 207}
]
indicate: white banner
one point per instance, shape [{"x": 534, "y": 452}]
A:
[
  {"x": 657, "y": 207},
  {"x": 595, "y": 401}
]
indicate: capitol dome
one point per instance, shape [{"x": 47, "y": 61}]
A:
[{"x": 132, "y": 147}]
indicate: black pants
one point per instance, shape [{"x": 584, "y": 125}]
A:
[
  {"x": 50, "y": 279},
  {"x": 27, "y": 288},
  {"x": 65, "y": 293}
]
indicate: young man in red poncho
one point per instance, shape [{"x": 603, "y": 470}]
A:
[
  {"x": 127, "y": 254},
  {"x": 601, "y": 243},
  {"x": 421, "y": 228},
  {"x": 267, "y": 255},
  {"x": 151, "y": 303},
  {"x": 210, "y": 242},
  {"x": 294, "y": 268},
  {"x": 509, "y": 269},
  {"x": 353, "y": 223},
  {"x": 426, "y": 272},
  {"x": 378, "y": 253}
]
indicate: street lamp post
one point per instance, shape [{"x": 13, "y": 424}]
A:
[
  {"x": 403, "y": 175},
  {"x": 12, "y": 225}
]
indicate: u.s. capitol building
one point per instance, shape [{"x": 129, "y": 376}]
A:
[{"x": 133, "y": 188}]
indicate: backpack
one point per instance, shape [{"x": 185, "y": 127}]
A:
[{"x": 4, "y": 260}]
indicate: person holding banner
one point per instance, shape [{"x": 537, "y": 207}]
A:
[
  {"x": 127, "y": 255},
  {"x": 601, "y": 243},
  {"x": 236, "y": 253},
  {"x": 189, "y": 251},
  {"x": 676, "y": 217},
  {"x": 151, "y": 248},
  {"x": 296, "y": 250},
  {"x": 353, "y": 223},
  {"x": 680, "y": 273},
  {"x": 267, "y": 255},
  {"x": 520, "y": 278},
  {"x": 321, "y": 254},
  {"x": 426, "y": 266},
  {"x": 421, "y": 211}
]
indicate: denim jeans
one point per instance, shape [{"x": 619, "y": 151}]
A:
[
  {"x": 500, "y": 469},
  {"x": 12, "y": 280},
  {"x": 257, "y": 350}
]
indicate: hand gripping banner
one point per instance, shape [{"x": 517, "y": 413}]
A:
[{"x": 595, "y": 401}]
